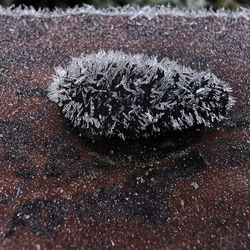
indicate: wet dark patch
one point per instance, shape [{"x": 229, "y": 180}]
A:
[
  {"x": 10, "y": 196},
  {"x": 20, "y": 59},
  {"x": 186, "y": 167},
  {"x": 172, "y": 55},
  {"x": 196, "y": 62},
  {"x": 231, "y": 41},
  {"x": 31, "y": 57},
  {"x": 75, "y": 169},
  {"x": 15, "y": 134},
  {"x": 26, "y": 30},
  {"x": 4, "y": 199},
  {"x": 237, "y": 120},
  {"x": 33, "y": 117},
  {"x": 28, "y": 173},
  {"x": 37, "y": 92},
  {"x": 242, "y": 124},
  {"x": 34, "y": 28},
  {"x": 145, "y": 176},
  {"x": 91, "y": 22},
  {"x": 13, "y": 158},
  {"x": 3, "y": 80},
  {"x": 145, "y": 150},
  {"x": 98, "y": 165},
  {"x": 48, "y": 57},
  {"x": 65, "y": 162},
  {"x": 228, "y": 153},
  {"x": 145, "y": 204},
  {"x": 248, "y": 243},
  {"x": 136, "y": 29},
  {"x": 42, "y": 217},
  {"x": 221, "y": 224},
  {"x": 61, "y": 161}
]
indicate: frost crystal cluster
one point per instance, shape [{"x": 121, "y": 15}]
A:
[
  {"x": 131, "y": 11},
  {"x": 114, "y": 94}
]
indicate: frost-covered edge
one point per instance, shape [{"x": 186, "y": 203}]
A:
[
  {"x": 131, "y": 11},
  {"x": 70, "y": 78}
]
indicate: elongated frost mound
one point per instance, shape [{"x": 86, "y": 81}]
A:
[{"x": 114, "y": 94}]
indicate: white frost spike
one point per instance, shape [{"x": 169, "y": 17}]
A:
[{"x": 130, "y": 96}]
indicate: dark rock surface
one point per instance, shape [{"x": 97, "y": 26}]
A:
[{"x": 62, "y": 191}]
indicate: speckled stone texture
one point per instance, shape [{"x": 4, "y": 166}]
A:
[{"x": 188, "y": 190}]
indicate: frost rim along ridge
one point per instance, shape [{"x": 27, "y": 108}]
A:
[
  {"x": 114, "y": 94},
  {"x": 130, "y": 11}
]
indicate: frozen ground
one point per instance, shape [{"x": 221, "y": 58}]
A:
[{"x": 59, "y": 190}]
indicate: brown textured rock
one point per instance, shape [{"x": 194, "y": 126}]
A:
[{"x": 61, "y": 191}]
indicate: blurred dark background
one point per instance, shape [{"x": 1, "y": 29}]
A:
[{"x": 232, "y": 4}]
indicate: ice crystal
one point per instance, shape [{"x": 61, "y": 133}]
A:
[
  {"x": 130, "y": 96},
  {"x": 130, "y": 11}
]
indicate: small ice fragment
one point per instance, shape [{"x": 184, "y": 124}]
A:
[
  {"x": 112, "y": 243},
  {"x": 195, "y": 185},
  {"x": 182, "y": 203},
  {"x": 130, "y": 158}
]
